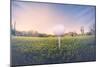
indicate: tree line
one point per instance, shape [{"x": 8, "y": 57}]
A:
[{"x": 14, "y": 32}]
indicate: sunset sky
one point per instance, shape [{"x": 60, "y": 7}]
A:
[{"x": 43, "y": 17}]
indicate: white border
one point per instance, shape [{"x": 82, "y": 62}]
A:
[
  {"x": 5, "y": 33},
  {"x": 89, "y": 2}
]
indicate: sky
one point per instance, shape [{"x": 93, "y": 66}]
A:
[{"x": 44, "y": 17}]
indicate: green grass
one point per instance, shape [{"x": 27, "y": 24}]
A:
[{"x": 44, "y": 50}]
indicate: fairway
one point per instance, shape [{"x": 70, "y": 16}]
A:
[{"x": 44, "y": 50}]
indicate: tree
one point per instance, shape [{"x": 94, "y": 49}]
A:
[
  {"x": 82, "y": 30},
  {"x": 13, "y": 29},
  {"x": 93, "y": 29}
]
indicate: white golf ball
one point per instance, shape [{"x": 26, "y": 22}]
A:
[{"x": 59, "y": 29}]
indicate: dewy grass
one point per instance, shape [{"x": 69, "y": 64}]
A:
[{"x": 40, "y": 50}]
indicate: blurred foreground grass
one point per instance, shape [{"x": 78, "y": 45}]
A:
[{"x": 44, "y": 50}]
